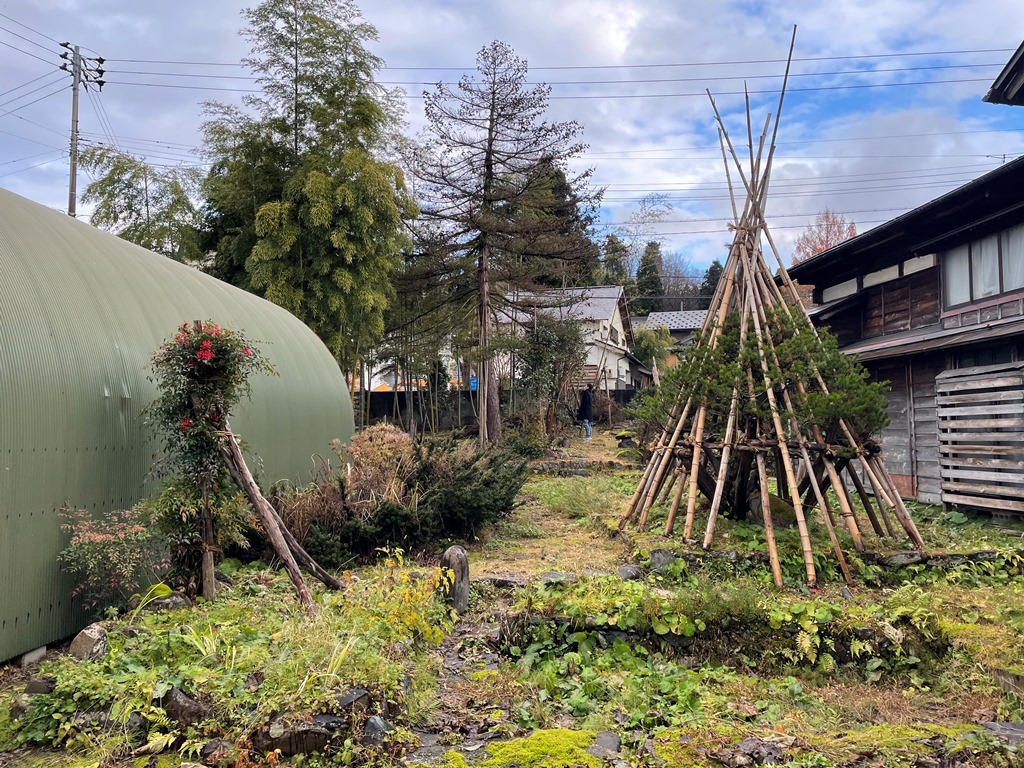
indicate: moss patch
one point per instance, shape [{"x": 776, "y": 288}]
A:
[{"x": 555, "y": 748}]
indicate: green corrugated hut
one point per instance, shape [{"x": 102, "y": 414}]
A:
[{"x": 80, "y": 313}]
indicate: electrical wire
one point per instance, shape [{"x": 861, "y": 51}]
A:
[
  {"x": 33, "y": 80},
  {"x": 26, "y": 138},
  {"x": 29, "y": 104},
  {"x": 28, "y": 93},
  {"x": 30, "y": 29},
  {"x": 27, "y": 53},
  {"x": 37, "y": 165}
]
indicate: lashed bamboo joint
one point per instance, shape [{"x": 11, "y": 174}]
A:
[{"x": 774, "y": 421}]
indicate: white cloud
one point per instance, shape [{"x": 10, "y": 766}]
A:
[{"x": 840, "y": 149}]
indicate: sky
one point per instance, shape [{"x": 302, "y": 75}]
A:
[{"x": 883, "y": 111}]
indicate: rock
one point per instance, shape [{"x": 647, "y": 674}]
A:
[
  {"x": 40, "y": 685},
  {"x": 376, "y": 730},
  {"x": 631, "y": 572},
  {"x": 902, "y": 559},
  {"x": 1009, "y": 681},
  {"x": 89, "y": 644},
  {"x": 761, "y": 751},
  {"x": 606, "y": 746},
  {"x": 332, "y": 723},
  {"x": 216, "y": 751},
  {"x": 130, "y": 630},
  {"x": 505, "y": 582},
  {"x": 1012, "y": 732},
  {"x": 554, "y": 577},
  {"x": 190, "y": 765},
  {"x": 294, "y": 737},
  {"x": 223, "y": 578},
  {"x": 661, "y": 559},
  {"x": 183, "y": 708},
  {"x": 33, "y": 657},
  {"x": 457, "y": 592},
  {"x": 173, "y": 602},
  {"x": 846, "y": 593},
  {"x": 21, "y": 705},
  {"x": 354, "y": 702}
]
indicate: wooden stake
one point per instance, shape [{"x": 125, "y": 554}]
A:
[
  {"x": 769, "y": 527},
  {"x": 865, "y": 500}
]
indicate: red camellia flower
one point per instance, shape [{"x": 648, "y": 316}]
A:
[
  {"x": 185, "y": 423},
  {"x": 213, "y": 416},
  {"x": 246, "y": 351}
]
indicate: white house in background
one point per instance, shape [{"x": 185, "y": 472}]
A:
[{"x": 601, "y": 311}]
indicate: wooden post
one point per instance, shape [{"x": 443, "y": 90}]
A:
[
  {"x": 769, "y": 526},
  {"x": 858, "y": 484}
]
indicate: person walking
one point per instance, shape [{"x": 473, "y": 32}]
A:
[{"x": 586, "y": 412}]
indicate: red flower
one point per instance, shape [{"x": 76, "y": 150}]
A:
[
  {"x": 246, "y": 351},
  {"x": 213, "y": 416},
  {"x": 205, "y": 352},
  {"x": 185, "y": 424}
]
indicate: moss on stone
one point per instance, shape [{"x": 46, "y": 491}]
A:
[{"x": 555, "y": 748}]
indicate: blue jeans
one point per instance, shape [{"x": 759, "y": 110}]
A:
[{"x": 586, "y": 428}]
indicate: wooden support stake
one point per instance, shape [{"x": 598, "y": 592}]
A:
[
  {"x": 769, "y": 527},
  {"x": 865, "y": 500}
]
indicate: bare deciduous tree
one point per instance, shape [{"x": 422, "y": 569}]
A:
[{"x": 829, "y": 229}]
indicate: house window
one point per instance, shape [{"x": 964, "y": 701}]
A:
[
  {"x": 987, "y": 267},
  {"x": 614, "y": 334},
  {"x": 1011, "y": 245}
]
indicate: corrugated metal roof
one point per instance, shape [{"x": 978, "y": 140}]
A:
[
  {"x": 683, "y": 320},
  {"x": 80, "y": 313},
  {"x": 1008, "y": 87},
  {"x": 588, "y": 304}
]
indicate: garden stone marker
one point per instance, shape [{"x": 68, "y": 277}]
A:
[
  {"x": 457, "y": 594},
  {"x": 89, "y": 644}
]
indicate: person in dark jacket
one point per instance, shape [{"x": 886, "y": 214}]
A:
[{"x": 586, "y": 412}]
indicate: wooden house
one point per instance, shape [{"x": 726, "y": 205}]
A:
[{"x": 933, "y": 302}]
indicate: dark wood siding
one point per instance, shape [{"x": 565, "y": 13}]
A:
[
  {"x": 896, "y": 442},
  {"x": 899, "y": 305},
  {"x": 927, "y": 477}
]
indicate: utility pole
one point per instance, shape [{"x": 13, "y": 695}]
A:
[
  {"x": 81, "y": 75},
  {"x": 76, "y": 79}
]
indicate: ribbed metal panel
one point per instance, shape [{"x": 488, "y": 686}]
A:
[{"x": 81, "y": 312}]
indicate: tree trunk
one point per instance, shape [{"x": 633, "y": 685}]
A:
[
  {"x": 209, "y": 547},
  {"x": 239, "y": 472}
]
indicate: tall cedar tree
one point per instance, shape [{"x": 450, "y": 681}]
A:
[
  {"x": 709, "y": 284},
  {"x": 492, "y": 185},
  {"x": 301, "y": 208},
  {"x": 615, "y": 262},
  {"x": 649, "y": 289},
  {"x": 143, "y": 204}
]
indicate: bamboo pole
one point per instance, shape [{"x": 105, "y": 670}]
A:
[
  {"x": 805, "y": 539},
  {"x": 902, "y": 514},
  {"x": 858, "y": 484},
  {"x": 769, "y": 526},
  {"x": 878, "y": 496},
  {"x": 674, "y": 510}
]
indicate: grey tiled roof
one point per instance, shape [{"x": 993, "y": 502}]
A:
[{"x": 686, "y": 320}]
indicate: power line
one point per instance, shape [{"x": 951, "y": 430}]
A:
[
  {"x": 31, "y": 157},
  {"x": 30, "y": 29},
  {"x": 32, "y": 42},
  {"x": 33, "y": 80},
  {"x": 26, "y": 138},
  {"x": 27, "y": 53},
  {"x": 28, "y": 93},
  {"x": 598, "y": 82},
  {"x": 29, "y": 104},
  {"x": 611, "y": 66},
  {"x": 37, "y": 165}
]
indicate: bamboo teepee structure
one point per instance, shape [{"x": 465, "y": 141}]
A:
[{"x": 806, "y": 458}]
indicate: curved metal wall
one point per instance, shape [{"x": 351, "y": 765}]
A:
[{"x": 81, "y": 311}]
